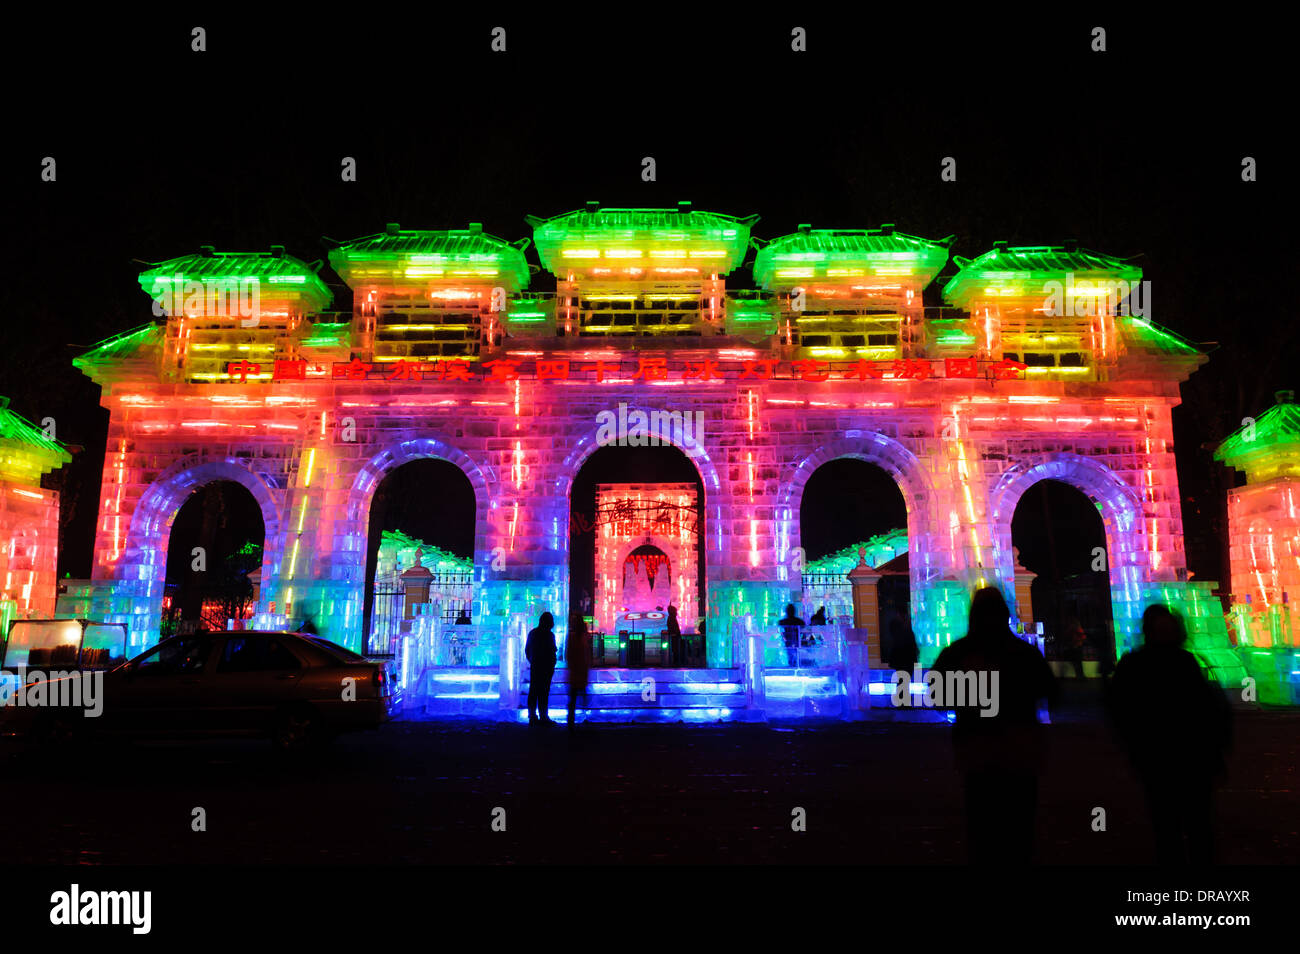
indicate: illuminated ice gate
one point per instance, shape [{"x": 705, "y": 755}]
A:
[{"x": 446, "y": 353}]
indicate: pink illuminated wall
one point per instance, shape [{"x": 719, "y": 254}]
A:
[
  {"x": 29, "y": 544},
  {"x": 1264, "y": 525},
  {"x": 29, "y": 517}
]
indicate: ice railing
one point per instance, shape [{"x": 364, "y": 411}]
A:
[
  {"x": 440, "y": 643},
  {"x": 819, "y": 647}
]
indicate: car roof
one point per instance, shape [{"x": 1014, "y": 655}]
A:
[{"x": 248, "y": 632}]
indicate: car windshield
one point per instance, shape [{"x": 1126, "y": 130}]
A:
[{"x": 335, "y": 648}]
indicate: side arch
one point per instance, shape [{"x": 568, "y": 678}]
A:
[
  {"x": 142, "y": 565},
  {"x": 1121, "y": 515},
  {"x": 347, "y": 565},
  {"x": 890, "y": 456}
]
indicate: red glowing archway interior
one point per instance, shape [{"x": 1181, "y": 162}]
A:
[{"x": 646, "y": 550}]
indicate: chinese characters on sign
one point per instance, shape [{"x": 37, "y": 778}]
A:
[{"x": 648, "y": 368}]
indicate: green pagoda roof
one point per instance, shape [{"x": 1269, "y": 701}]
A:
[
  {"x": 431, "y": 556},
  {"x": 128, "y": 344},
  {"x": 25, "y": 452},
  {"x": 1151, "y": 337},
  {"x": 453, "y": 255},
  {"x": 1029, "y": 267},
  {"x": 684, "y": 236},
  {"x": 880, "y": 550},
  {"x": 882, "y": 251},
  {"x": 1261, "y": 448},
  {"x": 274, "y": 268}
]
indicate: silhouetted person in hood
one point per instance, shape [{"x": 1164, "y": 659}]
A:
[
  {"x": 673, "y": 628},
  {"x": 577, "y": 654},
  {"x": 901, "y": 648},
  {"x": 790, "y": 628},
  {"x": 539, "y": 650},
  {"x": 1175, "y": 726},
  {"x": 1001, "y": 755}
]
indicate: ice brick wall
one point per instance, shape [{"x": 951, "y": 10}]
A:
[{"x": 313, "y": 454}]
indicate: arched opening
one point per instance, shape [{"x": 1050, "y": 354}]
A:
[
  {"x": 214, "y": 559},
  {"x": 851, "y": 509},
  {"x": 1058, "y": 535},
  {"x": 636, "y": 513},
  {"x": 423, "y": 511}
]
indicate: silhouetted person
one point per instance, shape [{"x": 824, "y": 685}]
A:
[
  {"x": 1175, "y": 727},
  {"x": 903, "y": 651},
  {"x": 1001, "y": 756},
  {"x": 1073, "y": 639},
  {"x": 819, "y": 617},
  {"x": 462, "y": 619},
  {"x": 577, "y": 652},
  {"x": 674, "y": 631},
  {"x": 539, "y": 650},
  {"x": 790, "y": 628}
]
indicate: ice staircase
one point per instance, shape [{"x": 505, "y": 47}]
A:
[
  {"x": 456, "y": 693},
  {"x": 804, "y": 693},
  {"x": 613, "y": 695},
  {"x": 651, "y": 695}
]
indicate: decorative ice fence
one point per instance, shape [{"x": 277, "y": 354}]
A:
[
  {"x": 473, "y": 646},
  {"x": 755, "y": 684},
  {"x": 511, "y": 670},
  {"x": 819, "y": 647},
  {"x": 456, "y": 667},
  {"x": 264, "y": 622}
]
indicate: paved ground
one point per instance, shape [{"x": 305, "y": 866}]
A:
[{"x": 425, "y": 792}]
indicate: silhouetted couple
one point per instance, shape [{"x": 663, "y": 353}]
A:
[
  {"x": 1175, "y": 726},
  {"x": 540, "y": 652},
  {"x": 1000, "y": 754}
]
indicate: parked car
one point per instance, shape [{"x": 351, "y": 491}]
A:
[{"x": 291, "y": 687}]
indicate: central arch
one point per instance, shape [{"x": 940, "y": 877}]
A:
[{"x": 711, "y": 505}]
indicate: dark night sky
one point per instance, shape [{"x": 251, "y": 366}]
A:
[{"x": 1132, "y": 152}]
